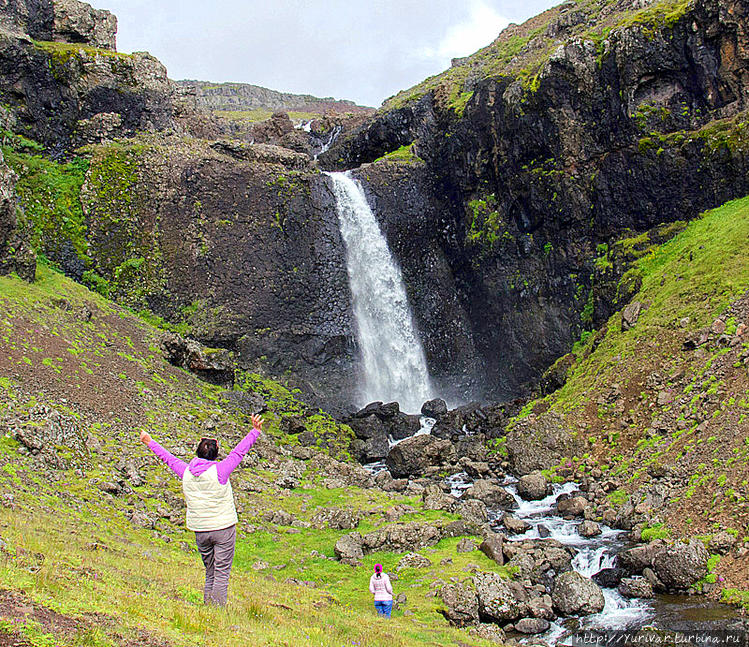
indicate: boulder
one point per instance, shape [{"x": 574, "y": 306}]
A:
[
  {"x": 366, "y": 427},
  {"x": 336, "y": 518},
  {"x": 434, "y": 408},
  {"x": 402, "y": 425},
  {"x": 497, "y": 600},
  {"x": 574, "y": 594},
  {"x": 609, "y": 578},
  {"x": 489, "y": 632},
  {"x": 631, "y": 314},
  {"x": 349, "y": 550},
  {"x": 466, "y": 545},
  {"x": 211, "y": 365},
  {"x": 532, "y": 626},
  {"x": 434, "y": 498},
  {"x": 635, "y": 587},
  {"x": 491, "y": 494},
  {"x": 401, "y": 538},
  {"x": 476, "y": 469},
  {"x": 413, "y": 560},
  {"x": 680, "y": 565},
  {"x": 461, "y": 602},
  {"x": 634, "y": 560},
  {"x": 540, "y": 442},
  {"x": 589, "y": 528},
  {"x": 722, "y": 543},
  {"x": 413, "y": 456},
  {"x": 78, "y": 22},
  {"x": 492, "y": 547},
  {"x": 473, "y": 511},
  {"x": 533, "y": 487},
  {"x": 515, "y": 526},
  {"x": 572, "y": 507}
]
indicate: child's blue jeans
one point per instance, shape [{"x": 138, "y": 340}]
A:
[{"x": 384, "y": 608}]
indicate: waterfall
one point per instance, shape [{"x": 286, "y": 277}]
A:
[{"x": 393, "y": 358}]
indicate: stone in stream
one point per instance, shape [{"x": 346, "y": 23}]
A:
[
  {"x": 533, "y": 487},
  {"x": 402, "y": 425},
  {"x": 434, "y": 408},
  {"x": 634, "y": 560},
  {"x": 515, "y": 526},
  {"x": 491, "y": 494},
  {"x": 589, "y": 528},
  {"x": 680, "y": 565},
  {"x": 572, "y": 507},
  {"x": 609, "y": 578},
  {"x": 413, "y": 456},
  {"x": 532, "y": 626},
  {"x": 543, "y": 531},
  {"x": 635, "y": 587},
  {"x": 574, "y": 594}
]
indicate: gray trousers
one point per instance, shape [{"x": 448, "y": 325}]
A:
[{"x": 216, "y": 547}]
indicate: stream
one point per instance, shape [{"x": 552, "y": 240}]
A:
[{"x": 664, "y": 612}]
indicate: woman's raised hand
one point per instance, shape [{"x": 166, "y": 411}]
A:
[
  {"x": 145, "y": 437},
  {"x": 257, "y": 422}
]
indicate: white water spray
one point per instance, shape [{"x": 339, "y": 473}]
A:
[{"x": 393, "y": 358}]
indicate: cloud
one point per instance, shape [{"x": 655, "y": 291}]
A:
[{"x": 480, "y": 28}]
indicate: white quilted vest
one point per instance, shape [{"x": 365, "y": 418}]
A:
[{"x": 210, "y": 505}]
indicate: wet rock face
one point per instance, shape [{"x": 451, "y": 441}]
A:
[
  {"x": 574, "y": 594},
  {"x": 244, "y": 239}
]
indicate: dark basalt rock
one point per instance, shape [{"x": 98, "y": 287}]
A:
[{"x": 513, "y": 197}]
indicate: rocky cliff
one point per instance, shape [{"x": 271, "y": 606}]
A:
[
  {"x": 500, "y": 184},
  {"x": 544, "y": 148},
  {"x": 247, "y": 97}
]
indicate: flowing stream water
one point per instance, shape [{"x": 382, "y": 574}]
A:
[
  {"x": 394, "y": 365},
  {"x": 664, "y": 612}
]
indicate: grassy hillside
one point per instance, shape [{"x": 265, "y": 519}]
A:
[
  {"x": 521, "y": 50},
  {"x": 667, "y": 401},
  {"x": 93, "y": 542}
]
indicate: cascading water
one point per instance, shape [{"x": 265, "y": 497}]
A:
[{"x": 393, "y": 358}]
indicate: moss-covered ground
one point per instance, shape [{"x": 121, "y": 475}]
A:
[{"x": 78, "y": 568}]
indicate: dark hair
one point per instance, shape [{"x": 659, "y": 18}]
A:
[{"x": 208, "y": 449}]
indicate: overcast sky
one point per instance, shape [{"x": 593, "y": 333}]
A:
[{"x": 363, "y": 50}]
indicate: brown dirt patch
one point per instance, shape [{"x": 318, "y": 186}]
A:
[{"x": 16, "y": 606}]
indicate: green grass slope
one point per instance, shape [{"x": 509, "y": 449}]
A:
[
  {"x": 667, "y": 401},
  {"x": 521, "y": 50},
  {"x": 92, "y": 557}
]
